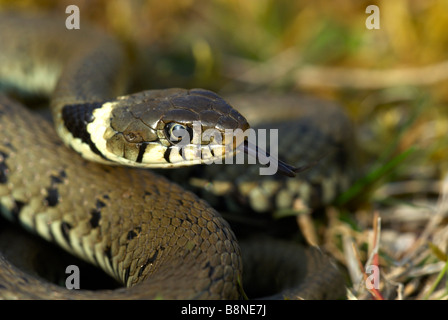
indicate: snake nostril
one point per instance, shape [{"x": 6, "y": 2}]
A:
[{"x": 132, "y": 137}]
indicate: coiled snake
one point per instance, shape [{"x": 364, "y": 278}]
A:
[{"x": 156, "y": 238}]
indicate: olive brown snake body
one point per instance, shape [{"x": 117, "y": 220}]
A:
[{"x": 156, "y": 238}]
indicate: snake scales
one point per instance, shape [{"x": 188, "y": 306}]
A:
[{"x": 156, "y": 238}]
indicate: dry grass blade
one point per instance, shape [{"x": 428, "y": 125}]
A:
[
  {"x": 439, "y": 214},
  {"x": 419, "y": 262},
  {"x": 316, "y": 76}
]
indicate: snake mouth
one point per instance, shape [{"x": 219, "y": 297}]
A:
[{"x": 264, "y": 157}]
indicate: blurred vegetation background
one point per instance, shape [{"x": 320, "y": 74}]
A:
[{"x": 392, "y": 81}]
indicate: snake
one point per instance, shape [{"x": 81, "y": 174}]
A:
[{"x": 59, "y": 179}]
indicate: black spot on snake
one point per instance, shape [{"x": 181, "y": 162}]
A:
[
  {"x": 62, "y": 174},
  {"x": 55, "y": 180},
  {"x": 210, "y": 269},
  {"x": 96, "y": 214},
  {"x": 108, "y": 254},
  {"x": 76, "y": 117},
  {"x": 52, "y": 198},
  {"x": 154, "y": 256},
  {"x": 141, "y": 151},
  {"x": 50, "y": 230},
  {"x": 65, "y": 230},
  {"x": 150, "y": 261},
  {"x": 3, "y": 168},
  {"x": 95, "y": 219},
  {"x": 131, "y": 235},
  {"x": 95, "y": 260},
  {"x": 126, "y": 274},
  {"x": 100, "y": 204},
  {"x": 166, "y": 155},
  {"x": 18, "y": 206}
]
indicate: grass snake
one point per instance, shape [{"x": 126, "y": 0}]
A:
[{"x": 159, "y": 240}]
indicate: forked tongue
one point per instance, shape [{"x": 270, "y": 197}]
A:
[{"x": 283, "y": 168}]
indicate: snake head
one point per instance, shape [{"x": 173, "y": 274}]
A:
[{"x": 169, "y": 128}]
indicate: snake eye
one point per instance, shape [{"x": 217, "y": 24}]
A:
[{"x": 176, "y": 132}]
